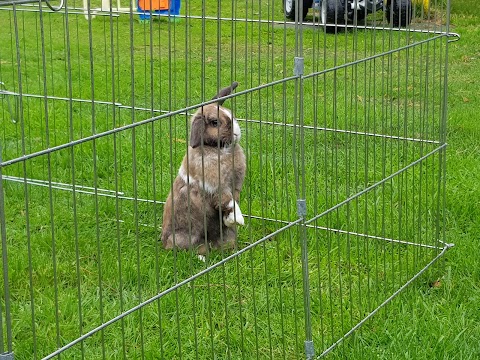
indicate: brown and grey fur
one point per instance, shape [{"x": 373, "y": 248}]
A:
[{"x": 202, "y": 209}]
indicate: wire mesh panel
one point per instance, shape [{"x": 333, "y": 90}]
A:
[{"x": 342, "y": 125}]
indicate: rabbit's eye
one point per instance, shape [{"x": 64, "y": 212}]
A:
[{"x": 214, "y": 123}]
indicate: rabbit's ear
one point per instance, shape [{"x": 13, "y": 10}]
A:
[
  {"x": 196, "y": 132},
  {"x": 224, "y": 92}
]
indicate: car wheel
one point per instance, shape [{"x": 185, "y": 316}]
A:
[
  {"x": 332, "y": 12},
  {"x": 355, "y": 15},
  {"x": 399, "y": 12},
  {"x": 289, "y": 9}
]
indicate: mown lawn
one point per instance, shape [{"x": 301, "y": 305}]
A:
[{"x": 78, "y": 258}]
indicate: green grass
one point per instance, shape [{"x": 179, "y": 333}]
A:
[{"x": 84, "y": 259}]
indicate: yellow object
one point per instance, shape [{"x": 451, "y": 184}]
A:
[
  {"x": 153, "y": 4},
  {"x": 424, "y": 3}
]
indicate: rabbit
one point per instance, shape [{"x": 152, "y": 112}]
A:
[{"x": 201, "y": 211}]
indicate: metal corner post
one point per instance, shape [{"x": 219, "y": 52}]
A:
[
  {"x": 442, "y": 183},
  {"x": 299, "y": 173}
]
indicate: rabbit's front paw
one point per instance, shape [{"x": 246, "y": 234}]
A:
[{"x": 234, "y": 216}]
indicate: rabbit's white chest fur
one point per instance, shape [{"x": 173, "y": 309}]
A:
[{"x": 204, "y": 170}]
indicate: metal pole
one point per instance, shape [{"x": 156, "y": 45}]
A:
[{"x": 299, "y": 168}]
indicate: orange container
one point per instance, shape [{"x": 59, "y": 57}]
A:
[{"x": 153, "y": 4}]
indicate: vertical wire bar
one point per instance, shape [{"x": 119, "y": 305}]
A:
[
  {"x": 4, "y": 275},
  {"x": 73, "y": 175},
  {"x": 434, "y": 116},
  {"x": 327, "y": 170},
  {"x": 233, "y": 60},
  {"x": 52, "y": 124},
  {"x": 410, "y": 208},
  {"x": 430, "y": 177},
  {"x": 170, "y": 80},
  {"x": 95, "y": 182},
  {"x": 172, "y": 177},
  {"x": 222, "y": 236},
  {"x": 357, "y": 98},
  {"x": 286, "y": 162},
  {"x": 390, "y": 152},
  {"x": 80, "y": 76},
  {"x": 162, "y": 182},
  {"x": 39, "y": 25},
  {"x": 410, "y": 148},
  {"x": 248, "y": 154},
  {"x": 346, "y": 124},
  {"x": 26, "y": 65},
  {"x": 27, "y": 214},
  {"x": 249, "y": 41},
  {"x": 149, "y": 189},
  {"x": 6, "y": 79},
  {"x": 363, "y": 252},
  {"x": 404, "y": 199},
  {"x": 269, "y": 77},
  {"x": 424, "y": 165},
  {"x": 49, "y": 171},
  {"x": 399, "y": 160},
  {"x": 369, "y": 93},
  {"x": 277, "y": 208},
  {"x": 317, "y": 160},
  {"x": 441, "y": 228},
  {"x": 436, "y": 126},
  {"x": 384, "y": 115},
  {"x": 254, "y": 296},
  {"x": 8, "y": 347},
  {"x": 116, "y": 146},
  {"x": 344, "y": 279},
  {"x": 262, "y": 158},
  {"x": 357, "y": 174},
  {"x": 299, "y": 173},
  {"x": 134, "y": 178},
  {"x": 421, "y": 130},
  {"x": 337, "y": 191},
  {"x": 351, "y": 155},
  {"x": 188, "y": 84},
  {"x": 376, "y": 191},
  {"x": 4, "y": 134},
  {"x": 205, "y": 76}
]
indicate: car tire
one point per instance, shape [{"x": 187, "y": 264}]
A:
[
  {"x": 332, "y": 13},
  {"x": 289, "y": 9},
  {"x": 355, "y": 15},
  {"x": 399, "y": 12}
]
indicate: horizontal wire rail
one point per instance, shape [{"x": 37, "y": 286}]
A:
[{"x": 264, "y": 122}]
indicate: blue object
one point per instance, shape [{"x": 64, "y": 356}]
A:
[{"x": 174, "y": 11}]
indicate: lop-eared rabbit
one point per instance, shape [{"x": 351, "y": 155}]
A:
[{"x": 201, "y": 211}]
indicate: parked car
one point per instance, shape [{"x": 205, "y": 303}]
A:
[{"x": 398, "y": 12}]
